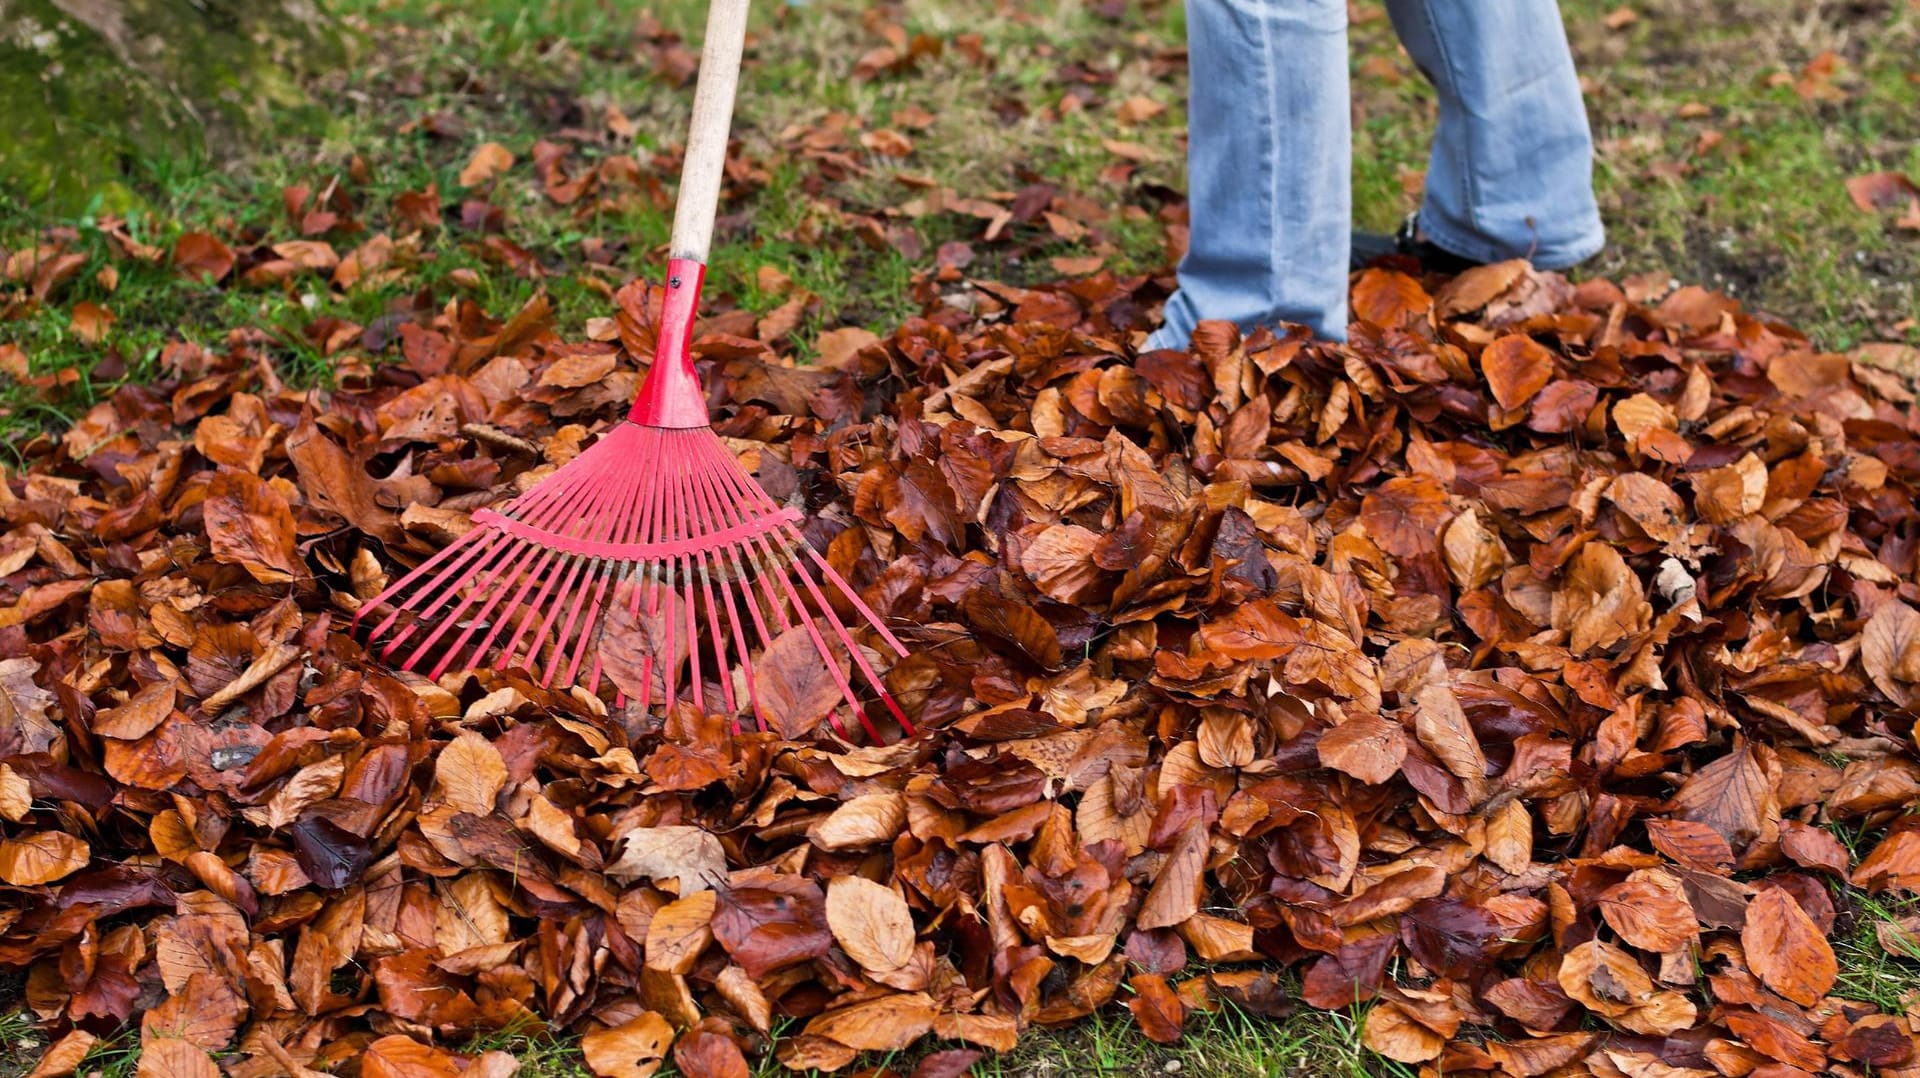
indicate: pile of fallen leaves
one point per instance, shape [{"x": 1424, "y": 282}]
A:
[{"x": 1501, "y": 669}]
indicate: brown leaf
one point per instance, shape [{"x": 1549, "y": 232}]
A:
[
  {"x": 1155, "y": 1006},
  {"x": 469, "y": 774},
  {"x": 1387, "y": 298},
  {"x": 867, "y": 820},
  {"x": 200, "y": 255},
  {"x": 703, "y": 1053},
  {"x": 398, "y": 1056},
  {"x": 331, "y": 481},
  {"x": 1474, "y": 555},
  {"x": 1405, "y": 515},
  {"x": 488, "y": 160},
  {"x": 1732, "y": 795},
  {"x": 1252, "y": 630},
  {"x": 1877, "y": 191},
  {"x": 24, "y": 707},
  {"x": 64, "y": 1056},
  {"x": 634, "y": 1049},
  {"x": 870, "y": 922},
  {"x": 680, "y": 932},
  {"x": 1060, "y": 562},
  {"x": 250, "y": 525},
  {"x": 90, "y": 322},
  {"x": 766, "y": 929},
  {"x": 137, "y": 717},
  {"x": 1517, "y": 367},
  {"x": 1392, "y": 1032},
  {"x": 40, "y": 858},
  {"x": 1602, "y": 600},
  {"x": 692, "y": 856},
  {"x": 571, "y": 372},
  {"x": 1649, "y": 909},
  {"x": 886, "y": 1024},
  {"x": 797, "y": 687},
  {"x": 1368, "y": 747},
  {"x": 1786, "y": 950},
  {"x": 1510, "y": 837},
  {"x": 1442, "y": 727},
  {"x": 1175, "y": 895},
  {"x": 1890, "y": 650}
]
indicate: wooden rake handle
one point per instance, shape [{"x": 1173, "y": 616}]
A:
[{"x": 706, "y": 161}]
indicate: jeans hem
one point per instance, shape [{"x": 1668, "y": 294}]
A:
[{"x": 1554, "y": 256}]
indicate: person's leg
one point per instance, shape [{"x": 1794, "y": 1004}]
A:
[
  {"x": 1268, "y": 129},
  {"x": 1511, "y": 174}
]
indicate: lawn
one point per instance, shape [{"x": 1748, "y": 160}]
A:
[{"x": 877, "y": 148}]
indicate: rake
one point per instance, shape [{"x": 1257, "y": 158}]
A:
[{"x": 656, "y": 516}]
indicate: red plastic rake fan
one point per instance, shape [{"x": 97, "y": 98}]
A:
[{"x": 658, "y": 518}]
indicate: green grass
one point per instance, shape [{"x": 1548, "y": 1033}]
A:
[
  {"x": 1869, "y": 972},
  {"x": 1227, "y": 1043},
  {"x": 20, "y": 1043}
]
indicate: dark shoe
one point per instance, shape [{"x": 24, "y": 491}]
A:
[{"x": 1371, "y": 247}]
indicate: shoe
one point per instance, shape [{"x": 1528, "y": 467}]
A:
[{"x": 1370, "y": 247}]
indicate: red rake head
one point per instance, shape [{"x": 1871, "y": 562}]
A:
[{"x": 657, "y": 557}]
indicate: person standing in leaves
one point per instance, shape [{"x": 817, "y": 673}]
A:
[{"x": 1269, "y": 155}]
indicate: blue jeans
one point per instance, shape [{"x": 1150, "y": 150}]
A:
[{"x": 1269, "y": 156}]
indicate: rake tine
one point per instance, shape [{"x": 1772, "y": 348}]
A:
[
  {"x": 503, "y": 555},
  {"x": 513, "y": 612},
  {"x": 704, "y": 489},
  {"x": 494, "y": 597},
  {"x": 853, "y": 597},
  {"x": 798, "y": 568},
  {"x": 470, "y": 545},
  {"x": 697, "y": 513},
  {"x": 594, "y": 568},
  {"x": 559, "y": 653},
  {"x": 584, "y": 515},
  {"x": 770, "y": 568},
  {"x": 633, "y": 512},
  {"x": 422, "y": 571},
  {"x": 684, "y": 524},
  {"x": 494, "y": 550}
]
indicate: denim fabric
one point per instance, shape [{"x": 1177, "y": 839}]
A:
[{"x": 1269, "y": 152}]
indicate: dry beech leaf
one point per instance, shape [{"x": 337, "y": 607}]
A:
[
  {"x": 403, "y": 1057},
  {"x": 64, "y": 1056},
  {"x": 680, "y": 932},
  {"x": 1510, "y": 837},
  {"x": 41, "y": 858},
  {"x": 1650, "y": 910},
  {"x": 1155, "y": 1006},
  {"x": 470, "y": 774},
  {"x": 870, "y": 922},
  {"x": 886, "y": 1024},
  {"x": 137, "y": 717},
  {"x": 1368, "y": 747},
  {"x": 634, "y": 1049},
  {"x": 691, "y": 856},
  {"x": 1786, "y": 950},
  {"x": 1392, "y": 1032},
  {"x": 867, "y": 820},
  {"x": 1517, "y": 367},
  {"x": 488, "y": 160}
]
